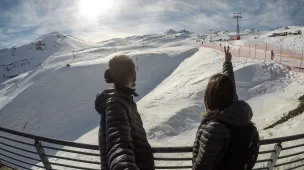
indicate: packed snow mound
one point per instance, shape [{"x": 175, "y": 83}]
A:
[
  {"x": 17, "y": 60},
  {"x": 170, "y": 31},
  {"x": 59, "y": 102}
]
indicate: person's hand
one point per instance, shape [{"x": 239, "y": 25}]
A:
[{"x": 228, "y": 55}]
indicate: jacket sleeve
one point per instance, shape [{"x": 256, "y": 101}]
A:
[
  {"x": 212, "y": 142},
  {"x": 228, "y": 70},
  {"x": 119, "y": 147}
]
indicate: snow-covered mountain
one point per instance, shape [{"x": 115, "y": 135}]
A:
[
  {"x": 17, "y": 60},
  {"x": 184, "y": 31},
  {"x": 170, "y": 31},
  {"x": 57, "y": 100}
]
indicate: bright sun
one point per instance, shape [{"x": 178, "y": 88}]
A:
[{"x": 94, "y": 8}]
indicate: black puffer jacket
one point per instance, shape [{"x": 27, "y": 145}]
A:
[
  {"x": 212, "y": 138},
  {"x": 122, "y": 139}
]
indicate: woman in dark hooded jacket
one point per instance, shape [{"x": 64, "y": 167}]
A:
[
  {"x": 222, "y": 104},
  {"x": 123, "y": 142}
]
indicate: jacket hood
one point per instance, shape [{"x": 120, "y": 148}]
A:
[
  {"x": 122, "y": 92},
  {"x": 102, "y": 97},
  {"x": 239, "y": 113}
]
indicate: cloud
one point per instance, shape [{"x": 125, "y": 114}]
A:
[{"x": 24, "y": 21}]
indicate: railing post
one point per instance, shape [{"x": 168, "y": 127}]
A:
[
  {"x": 249, "y": 50},
  {"x": 274, "y": 156},
  {"x": 280, "y": 54},
  {"x": 301, "y": 60},
  {"x": 254, "y": 51},
  {"x": 265, "y": 51},
  {"x": 42, "y": 156}
]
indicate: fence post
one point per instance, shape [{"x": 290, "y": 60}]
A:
[
  {"x": 274, "y": 156},
  {"x": 280, "y": 54},
  {"x": 265, "y": 51},
  {"x": 249, "y": 50},
  {"x": 254, "y": 51},
  {"x": 301, "y": 60},
  {"x": 41, "y": 154}
]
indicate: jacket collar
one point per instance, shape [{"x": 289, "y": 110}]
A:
[{"x": 127, "y": 91}]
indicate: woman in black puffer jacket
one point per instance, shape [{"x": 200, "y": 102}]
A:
[
  {"x": 123, "y": 142},
  {"x": 222, "y": 104}
]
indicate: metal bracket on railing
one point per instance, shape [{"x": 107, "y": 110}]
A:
[
  {"x": 41, "y": 154},
  {"x": 274, "y": 156}
]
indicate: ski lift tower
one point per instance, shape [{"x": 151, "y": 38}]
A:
[{"x": 237, "y": 16}]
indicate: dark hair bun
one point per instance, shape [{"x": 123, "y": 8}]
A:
[{"x": 108, "y": 76}]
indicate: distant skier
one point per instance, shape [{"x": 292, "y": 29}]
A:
[
  {"x": 272, "y": 55},
  {"x": 123, "y": 142},
  {"x": 226, "y": 138}
]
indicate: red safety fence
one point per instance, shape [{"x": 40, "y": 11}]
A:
[{"x": 287, "y": 57}]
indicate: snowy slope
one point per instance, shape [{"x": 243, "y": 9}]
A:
[
  {"x": 17, "y": 60},
  {"x": 177, "y": 102},
  {"x": 292, "y": 42},
  {"x": 150, "y": 39},
  {"x": 171, "y": 112},
  {"x": 62, "y": 98},
  {"x": 57, "y": 101}
]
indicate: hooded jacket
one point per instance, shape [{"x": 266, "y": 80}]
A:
[
  {"x": 123, "y": 142},
  {"x": 212, "y": 138}
]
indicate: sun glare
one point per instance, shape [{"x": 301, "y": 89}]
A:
[{"x": 94, "y": 8}]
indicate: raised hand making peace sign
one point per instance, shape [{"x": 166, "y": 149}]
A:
[{"x": 228, "y": 55}]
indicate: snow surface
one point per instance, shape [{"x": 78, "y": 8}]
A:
[
  {"x": 173, "y": 70},
  {"x": 17, "y": 60}
]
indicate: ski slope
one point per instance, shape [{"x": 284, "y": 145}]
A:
[
  {"x": 63, "y": 98},
  {"x": 17, "y": 60},
  {"x": 171, "y": 112},
  {"x": 50, "y": 99},
  {"x": 173, "y": 109}
]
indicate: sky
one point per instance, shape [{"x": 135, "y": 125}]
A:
[{"x": 23, "y": 21}]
